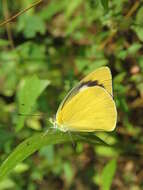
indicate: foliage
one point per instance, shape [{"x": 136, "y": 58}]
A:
[
  {"x": 43, "y": 53},
  {"x": 107, "y": 175},
  {"x": 27, "y": 96}
]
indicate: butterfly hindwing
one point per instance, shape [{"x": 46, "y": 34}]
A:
[{"x": 91, "y": 109}]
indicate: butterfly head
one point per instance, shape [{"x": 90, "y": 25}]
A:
[{"x": 57, "y": 125}]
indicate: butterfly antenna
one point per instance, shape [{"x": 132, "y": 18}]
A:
[{"x": 24, "y": 114}]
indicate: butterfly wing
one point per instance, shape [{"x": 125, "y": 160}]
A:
[
  {"x": 91, "y": 109},
  {"x": 100, "y": 77}
]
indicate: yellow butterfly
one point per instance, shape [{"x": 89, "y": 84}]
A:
[{"x": 89, "y": 106}]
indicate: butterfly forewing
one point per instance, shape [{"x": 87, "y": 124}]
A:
[{"x": 100, "y": 77}]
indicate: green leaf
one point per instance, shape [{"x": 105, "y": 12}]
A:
[
  {"x": 7, "y": 184},
  {"x": 92, "y": 139},
  {"x": 75, "y": 24},
  {"x": 139, "y": 32},
  {"x": 27, "y": 96},
  {"x": 105, "y": 4},
  {"x": 138, "y": 27},
  {"x": 68, "y": 172},
  {"x": 52, "y": 8},
  {"x": 108, "y": 174},
  {"x": 37, "y": 141},
  {"x": 73, "y": 6},
  {"x": 4, "y": 43},
  {"x": 21, "y": 167},
  {"x": 139, "y": 14},
  {"x": 133, "y": 49},
  {"x": 30, "y": 25}
]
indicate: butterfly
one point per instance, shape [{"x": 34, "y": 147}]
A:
[{"x": 89, "y": 106}]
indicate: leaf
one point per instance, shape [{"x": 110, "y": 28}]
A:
[
  {"x": 30, "y": 25},
  {"x": 139, "y": 14},
  {"x": 68, "y": 172},
  {"x": 73, "y": 6},
  {"x": 7, "y": 184},
  {"x": 52, "y": 8},
  {"x": 37, "y": 141},
  {"x": 4, "y": 43},
  {"x": 133, "y": 49},
  {"x": 108, "y": 174},
  {"x": 138, "y": 24},
  {"x": 75, "y": 24},
  {"x": 92, "y": 139},
  {"x": 139, "y": 31},
  {"x": 21, "y": 167},
  {"x": 27, "y": 96},
  {"x": 105, "y": 4},
  {"x": 5, "y": 136}
]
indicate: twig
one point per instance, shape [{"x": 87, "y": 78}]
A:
[
  {"x": 132, "y": 10},
  {"x": 8, "y": 28},
  {"x": 20, "y": 13}
]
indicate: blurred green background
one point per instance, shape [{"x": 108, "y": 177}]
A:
[{"x": 62, "y": 41}]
